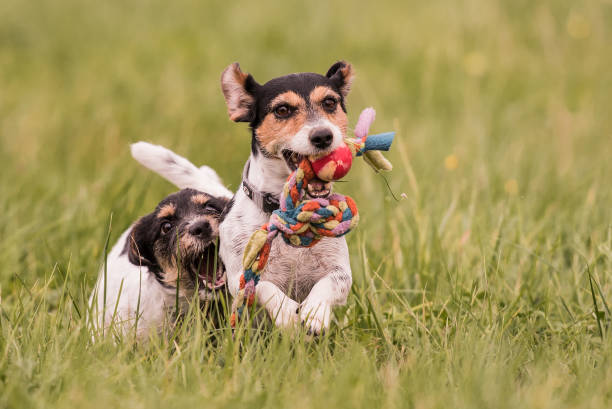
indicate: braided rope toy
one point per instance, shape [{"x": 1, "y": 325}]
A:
[{"x": 304, "y": 222}]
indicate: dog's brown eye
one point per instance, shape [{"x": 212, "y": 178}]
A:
[
  {"x": 329, "y": 104},
  {"x": 165, "y": 227},
  {"x": 211, "y": 207},
  {"x": 283, "y": 111}
]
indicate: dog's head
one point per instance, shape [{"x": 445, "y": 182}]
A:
[
  {"x": 293, "y": 116},
  {"x": 178, "y": 240}
]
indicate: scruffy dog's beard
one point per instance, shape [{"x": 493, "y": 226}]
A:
[{"x": 195, "y": 264}]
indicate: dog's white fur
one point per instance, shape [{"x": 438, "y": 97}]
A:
[
  {"x": 318, "y": 277},
  {"x": 131, "y": 292},
  {"x": 135, "y": 300},
  {"x": 179, "y": 170},
  {"x": 300, "y": 142}
]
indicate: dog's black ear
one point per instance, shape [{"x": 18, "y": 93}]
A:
[
  {"x": 239, "y": 91},
  {"x": 341, "y": 74},
  {"x": 140, "y": 242}
]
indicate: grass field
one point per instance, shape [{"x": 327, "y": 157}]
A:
[{"x": 488, "y": 284}]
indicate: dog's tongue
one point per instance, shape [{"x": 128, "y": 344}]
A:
[{"x": 211, "y": 278}]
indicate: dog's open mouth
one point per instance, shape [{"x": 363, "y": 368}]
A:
[
  {"x": 292, "y": 158},
  {"x": 317, "y": 188},
  {"x": 210, "y": 270}
]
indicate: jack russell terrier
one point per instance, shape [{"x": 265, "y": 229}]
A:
[
  {"x": 290, "y": 117},
  {"x": 160, "y": 262}
]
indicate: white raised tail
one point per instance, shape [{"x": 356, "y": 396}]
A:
[{"x": 179, "y": 170}]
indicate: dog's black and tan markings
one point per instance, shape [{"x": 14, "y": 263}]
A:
[
  {"x": 167, "y": 257},
  {"x": 290, "y": 117},
  {"x": 283, "y": 105},
  {"x": 178, "y": 238}
]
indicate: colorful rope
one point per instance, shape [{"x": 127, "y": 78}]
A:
[{"x": 300, "y": 223}]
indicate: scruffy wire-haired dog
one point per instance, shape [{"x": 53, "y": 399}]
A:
[
  {"x": 290, "y": 117},
  {"x": 173, "y": 245}
]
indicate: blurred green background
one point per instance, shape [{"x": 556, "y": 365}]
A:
[{"x": 477, "y": 277}]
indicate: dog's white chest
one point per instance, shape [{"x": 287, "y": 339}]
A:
[{"x": 295, "y": 270}]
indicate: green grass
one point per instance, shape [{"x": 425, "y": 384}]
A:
[{"x": 487, "y": 285}]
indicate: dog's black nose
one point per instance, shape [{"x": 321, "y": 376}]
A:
[
  {"x": 200, "y": 229},
  {"x": 321, "y": 138}
]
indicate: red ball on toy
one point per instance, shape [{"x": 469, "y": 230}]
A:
[{"x": 333, "y": 166}]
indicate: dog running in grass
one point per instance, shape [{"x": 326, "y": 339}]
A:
[
  {"x": 290, "y": 117},
  {"x": 171, "y": 251}
]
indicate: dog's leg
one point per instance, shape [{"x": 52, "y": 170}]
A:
[
  {"x": 333, "y": 289},
  {"x": 281, "y": 308}
]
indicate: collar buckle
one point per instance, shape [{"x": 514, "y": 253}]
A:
[{"x": 267, "y": 202}]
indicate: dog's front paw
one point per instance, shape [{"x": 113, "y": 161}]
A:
[
  {"x": 315, "y": 316},
  {"x": 285, "y": 315}
]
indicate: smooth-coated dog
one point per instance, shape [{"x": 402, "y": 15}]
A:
[{"x": 290, "y": 117}]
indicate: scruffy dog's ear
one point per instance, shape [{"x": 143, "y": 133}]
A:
[
  {"x": 341, "y": 74},
  {"x": 239, "y": 91},
  {"x": 140, "y": 242}
]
